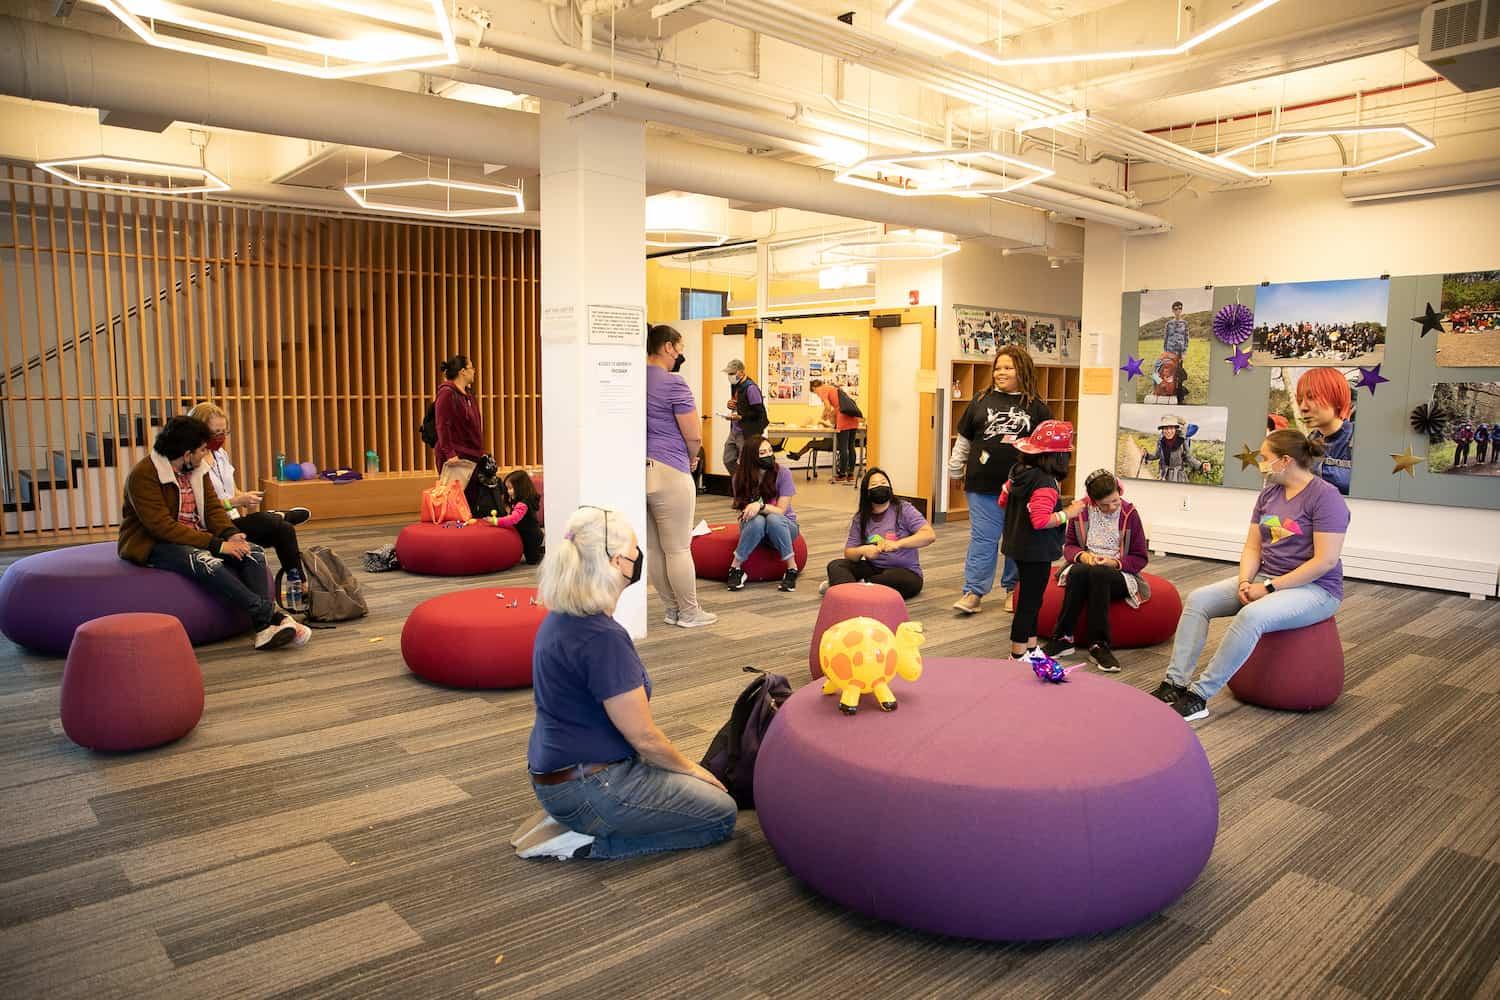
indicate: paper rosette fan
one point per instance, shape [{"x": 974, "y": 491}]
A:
[
  {"x": 1432, "y": 421},
  {"x": 1233, "y": 323}
]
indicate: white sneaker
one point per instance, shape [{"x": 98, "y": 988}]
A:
[
  {"x": 670, "y": 618},
  {"x": 276, "y": 634},
  {"x": 552, "y": 840},
  {"x": 822, "y": 588},
  {"x": 303, "y": 633},
  {"x": 696, "y": 619}
]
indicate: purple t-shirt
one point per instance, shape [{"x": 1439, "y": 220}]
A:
[
  {"x": 667, "y": 395},
  {"x": 786, "y": 488},
  {"x": 1287, "y": 526},
  {"x": 752, "y": 398},
  {"x": 900, "y": 520},
  {"x": 578, "y": 663}
]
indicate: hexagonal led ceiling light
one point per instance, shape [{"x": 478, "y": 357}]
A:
[
  {"x": 1420, "y": 144},
  {"x": 119, "y": 173},
  {"x": 957, "y": 173},
  {"x": 470, "y": 197},
  {"x": 323, "y": 38},
  {"x": 896, "y": 244}
]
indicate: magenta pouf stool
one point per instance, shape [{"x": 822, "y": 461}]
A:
[
  {"x": 1151, "y": 624},
  {"x": 993, "y": 805},
  {"x": 435, "y": 550},
  {"x": 131, "y": 682},
  {"x": 46, "y": 596},
  {"x": 854, "y": 600},
  {"x": 713, "y": 552},
  {"x": 1298, "y": 670},
  {"x": 474, "y": 638}
]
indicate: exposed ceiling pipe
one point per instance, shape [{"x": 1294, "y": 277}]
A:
[{"x": 1465, "y": 176}]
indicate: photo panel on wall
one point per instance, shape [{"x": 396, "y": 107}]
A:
[
  {"x": 1042, "y": 340},
  {"x": 1469, "y": 444},
  {"x": 1175, "y": 324},
  {"x": 1173, "y": 444},
  {"x": 1321, "y": 321},
  {"x": 1320, "y": 402},
  {"x": 1070, "y": 342},
  {"x": 1470, "y": 337}
]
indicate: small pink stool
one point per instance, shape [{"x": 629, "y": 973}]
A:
[
  {"x": 131, "y": 682},
  {"x": 1298, "y": 670}
]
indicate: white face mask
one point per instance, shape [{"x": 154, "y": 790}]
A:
[{"x": 1268, "y": 473}]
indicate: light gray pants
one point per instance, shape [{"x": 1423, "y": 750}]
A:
[
  {"x": 732, "y": 446},
  {"x": 670, "y": 499}
]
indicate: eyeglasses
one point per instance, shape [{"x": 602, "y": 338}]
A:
[{"x": 605, "y": 511}]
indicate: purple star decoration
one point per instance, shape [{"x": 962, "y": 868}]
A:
[
  {"x": 1233, "y": 324},
  {"x": 1131, "y": 367},
  {"x": 1240, "y": 359},
  {"x": 1369, "y": 378}
]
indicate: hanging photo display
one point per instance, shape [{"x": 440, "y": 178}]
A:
[
  {"x": 1070, "y": 342},
  {"x": 1471, "y": 437},
  {"x": 1470, "y": 337},
  {"x": 1321, "y": 321},
  {"x": 793, "y": 360},
  {"x": 1175, "y": 327},
  {"x": 983, "y": 331},
  {"x": 1320, "y": 402},
  {"x": 1173, "y": 444}
]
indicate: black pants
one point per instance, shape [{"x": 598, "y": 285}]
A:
[
  {"x": 845, "y": 445},
  {"x": 1031, "y": 587},
  {"x": 1481, "y": 447},
  {"x": 1090, "y": 589},
  {"x": 902, "y": 581},
  {"x": 272, "y": 531},
  {"x": 1461, "y": 453}
]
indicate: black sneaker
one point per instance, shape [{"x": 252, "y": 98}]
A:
[
  {"x": 736, "y": 579},
  {"x": 1191, "y": 706},
  {"x": 1168, "y": 692},
  {"x": 1061, "y": 646},
  {"x": 788, "y": 580},
  {"x": 1104, "y": 658},
  {"x": 297, "y": 515}
]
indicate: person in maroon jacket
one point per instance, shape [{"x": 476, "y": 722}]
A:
[
  {"x": 459, "y": 431},
  {"x": 1104, "y": 552}
]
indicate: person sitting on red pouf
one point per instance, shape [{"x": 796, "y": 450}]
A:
[{"x": 1104, "y": 554}]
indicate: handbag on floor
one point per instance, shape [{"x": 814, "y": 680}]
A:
[{"x": 731, "y": 756}]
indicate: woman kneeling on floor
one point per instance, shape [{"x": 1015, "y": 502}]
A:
[
  {"x": 883, "y": 540},
  {"x": 610, "y": 782},
  {"x": 1104, "y": 553}
]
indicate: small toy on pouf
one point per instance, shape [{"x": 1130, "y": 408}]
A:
[
  {"x": 1048, "y": 669},
  {"x": 494, "y": 519},
  {"x": 861, "y": 655}
]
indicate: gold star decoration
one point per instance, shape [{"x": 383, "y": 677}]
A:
[
  {"x": 1247, "y": 457},
  {"x": 1406, "y": 462}
]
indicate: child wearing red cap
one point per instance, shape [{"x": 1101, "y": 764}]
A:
[{"x": 1034, "y": 522}]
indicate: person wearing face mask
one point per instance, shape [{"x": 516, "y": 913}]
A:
[
  {"x": 674, "y": 438},
  {"x": 1290, "y": 573},
  {"x": 883, "y": 540},
  {"x": 609, "y": 781},
  {"x": 983, "y": 453},
  {"x": 172, "y": 520},
  {"x": 763, "y": 491},
  {"x": 748, "y": 416},
  {"x": 1325, "y": 402}
]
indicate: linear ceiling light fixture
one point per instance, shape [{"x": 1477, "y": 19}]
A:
[
  {"x": 331, "y": 39},
  {"x": 513, "y": 201},
  {"x": 119, "y": 173},
  {"x": 897, "y": 16},
  {"x": 959, "y": 173},
  {"x": 1420, "y": 144}
]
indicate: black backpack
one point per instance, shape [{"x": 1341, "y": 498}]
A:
[
  {"x": 428, "y": 427},
  {"x": 731, "y": 756},
  {"x": 848, "y": 407}
]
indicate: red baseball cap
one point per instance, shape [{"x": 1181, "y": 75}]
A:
[{"x": 1049, "y": 436}]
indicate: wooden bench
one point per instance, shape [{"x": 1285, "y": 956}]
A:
[{"x": 376, "y": 493}]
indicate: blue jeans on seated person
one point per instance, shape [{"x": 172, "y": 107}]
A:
[
  {"x": 1296, "y": 607},
  {"x": 775, "y": 530},
  {"x": 986, "y": 525},
  {"x": 632, "y": 807},
  {"x": 240, "y": 583}
]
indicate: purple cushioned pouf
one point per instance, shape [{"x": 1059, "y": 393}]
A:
[
  {"x": 991, "y": 804},
  {"x": 45, "y": 597},
  {"x": 1298, "y": 670},
  {"x": 854, "y": 600}
]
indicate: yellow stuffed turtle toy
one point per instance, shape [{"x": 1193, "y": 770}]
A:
[{"x": 861, "y": 655}]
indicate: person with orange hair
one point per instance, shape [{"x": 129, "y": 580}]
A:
[{"x": 1325, "y": 403}]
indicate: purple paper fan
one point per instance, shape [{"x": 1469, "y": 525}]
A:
[{"x": 1233, "y": 324}]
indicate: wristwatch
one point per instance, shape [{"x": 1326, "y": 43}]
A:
[{"x": 1270, "y": 587}]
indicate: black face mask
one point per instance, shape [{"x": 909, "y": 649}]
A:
[
  {"x": 681, "y": 360},
  {"x": 880, "y": 494},
  {"x": 635, "y": 568},
  {"x": 767, "y": 461}
]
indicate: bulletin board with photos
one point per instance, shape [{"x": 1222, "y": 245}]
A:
[
  {"x": 793, "y": 360},
  {"x": 1399, "y": 375},
  {"x": 1050, "y": 339}
]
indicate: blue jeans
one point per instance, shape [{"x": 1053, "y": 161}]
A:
[
  {"x": 986, "y": 525},
  {"x": 776, "y": 530},
  {"x": 1297, "y": 607},
  {"x": 240, "y": 583},
  {"x": 634, "y": 808}
]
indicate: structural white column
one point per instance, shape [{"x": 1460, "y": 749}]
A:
[
  {"x": 593, "y": 325},
  {"x": 1104, "y": 250}
]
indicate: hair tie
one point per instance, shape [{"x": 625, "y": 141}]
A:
[{"x": 568, "y": 535}]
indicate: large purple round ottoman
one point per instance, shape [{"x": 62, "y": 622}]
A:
[
  {"x": 45, "y": 597},
  {"x": 474, "y": 638},
  {"x": 131, "y": 682},
  {"x": 854, "y": 600},
  {"x": 993, "y": 805},
  {"x": 478, "y": 547},
  {"x": 1299, "y": 670}
]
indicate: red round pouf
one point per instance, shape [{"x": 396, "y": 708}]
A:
[
  {"x": 433, "y": 550},
  {"x": 713, "y": 552},
  {"x": 1151, "y": 624},
  {"x": 131, "y": 682},
  {"x": 478, "y": 638},
  {"x": 854, "y": 600},
  {"x": 1299, "y": 670}
]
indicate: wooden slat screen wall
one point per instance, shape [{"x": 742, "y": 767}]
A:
[{"x": 320, "y": 336}]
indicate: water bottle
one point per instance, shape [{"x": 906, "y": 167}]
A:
[
  {"x": 372, "y": 461},
  {"x": 296, "y": 592},
  {"x": 280, "y": 466}
]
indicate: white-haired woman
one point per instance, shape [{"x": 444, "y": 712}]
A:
[{"x": 610, "y": 781}]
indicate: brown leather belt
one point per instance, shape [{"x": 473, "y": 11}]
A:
[{"x": 567, "y": 774}]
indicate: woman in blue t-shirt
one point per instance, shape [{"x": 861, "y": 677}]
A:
[
  {"x": 610, "y": 782},
  {"x": 1290, "y": 573}
]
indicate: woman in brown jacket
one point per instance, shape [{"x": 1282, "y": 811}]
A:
[{"x": 173, "y": 521}]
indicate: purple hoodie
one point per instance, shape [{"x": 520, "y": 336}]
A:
[{"x": 1135, "y": 549}]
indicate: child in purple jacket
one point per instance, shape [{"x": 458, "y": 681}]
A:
[{"x": 1104, "y": 552}]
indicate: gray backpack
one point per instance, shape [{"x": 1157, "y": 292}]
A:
[{"x": 333, "y": 593}]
